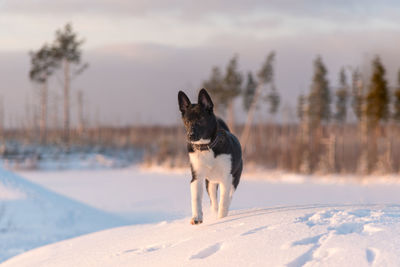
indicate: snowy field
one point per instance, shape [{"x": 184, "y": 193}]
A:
[{"x": 291, "y": 221}]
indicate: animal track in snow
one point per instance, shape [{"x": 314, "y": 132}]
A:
[
  {"x": 307, "y": 241},
  {"x": 207, "y": 252},
  {"x": 343, "y": 222},
  {"x": 255, "y": 230},
  {"x": 130, "y": 250},
  {"x": 147, "y": 249},
  {"x": 315, "y": 241},
  {"x": 371, "y": 253}
]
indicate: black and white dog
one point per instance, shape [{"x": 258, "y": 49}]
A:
[{"x": 215, "y": 155}]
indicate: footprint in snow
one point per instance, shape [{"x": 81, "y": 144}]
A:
[
  {"x": 370, "y": 254},
  {"x": 207, "y": 252},
  {"x": 255, "y": 230},
  {"x": 307, "y": 241},
  {"x": 147, "y": 249},
  {"x": 130, "y": 250}
]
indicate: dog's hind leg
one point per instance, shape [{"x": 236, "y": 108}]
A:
[{"x": 212, "y": 189}]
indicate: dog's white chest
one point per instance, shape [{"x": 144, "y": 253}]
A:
[{"x": 207, "y": 166}]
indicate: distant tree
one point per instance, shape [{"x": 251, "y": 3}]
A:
[
  {"x": 43, "y": 64},
  {"x": 266, "y": 76},
  {"x": 232, "y": 85},
  {"x": 225, "y": 88},
  {"x": 215, "y": 85},
  {"x": 68, "y": 51},
  {"x": 396, "y": 106},
  {"x": 274, "y": 100},
  {"x": 266, "y": 73},
  {"x": 301, "y": 101},
  {"x": 320, "y": 97},
  {"x": 378, "y": 95},
  {"x": 357, "y": 94},
  {"x": 249, "y": 91},
  {"x": 341, "y": 97}
]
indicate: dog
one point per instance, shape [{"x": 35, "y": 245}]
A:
[{"x": 215, "y": 155}]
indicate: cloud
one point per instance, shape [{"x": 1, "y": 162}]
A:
[{"x": 333, "y": 10}]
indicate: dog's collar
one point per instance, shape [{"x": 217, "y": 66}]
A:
[{"x": 211, "y": 145}]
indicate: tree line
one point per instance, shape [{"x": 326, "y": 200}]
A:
[
  {"x": 325, "y": 139},
  {"x": 369, "y": 96}
]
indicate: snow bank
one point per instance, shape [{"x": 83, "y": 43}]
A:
[
  {"x": 316, "y": 235},
  {"x": 31, "y": 216},
  {"x": 312, "y": 224}
]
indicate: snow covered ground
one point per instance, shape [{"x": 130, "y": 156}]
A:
[
  {"x": 316, "y": 235},
  {"x": 31, "y": 216},
  {"x": 292, "y": 221}
]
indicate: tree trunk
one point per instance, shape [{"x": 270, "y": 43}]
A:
[
  {"x": 231, "y": 116},
  {"x": 250, "y": 116},
  {"x": 66, "y": 101},
  {"x": 80, "y": 113},
  {"x": 54, "y": 112},
  {"x": 364, "y": 164},
  {"x": 43, "y": 113}
]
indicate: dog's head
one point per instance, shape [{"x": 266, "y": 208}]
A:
[{"x": 199, "y": 119}]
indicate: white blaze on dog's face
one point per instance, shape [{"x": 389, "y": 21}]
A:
[{"x": 199, "y": 119}]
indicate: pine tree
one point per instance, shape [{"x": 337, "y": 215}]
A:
[
  {"x": 215, "y": 86},
  {"x": 301, "y": 101},
  {"x": 274, "y": 100},
  {"x": 68, "y": 51},
  {"x": 232, "y": 84},
  {"x": 43, "y": 64},
  {"x": 396, "y": 106},
  {"x": 249, "y": 91},
  {"x": 225, "y": 88},
  {"x": 266, "y": 77},
  {"x": 358, "y": 95},
  {"x": 378, "y": 95},
  {"x": 319, "y": 98},
  {"x": 341, "y": 98}
]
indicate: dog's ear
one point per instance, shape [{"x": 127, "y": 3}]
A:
[
  {"x": 205, "y": 100},
  {"x": 184, "y": 102}
]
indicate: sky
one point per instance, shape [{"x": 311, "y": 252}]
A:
[{"x": 140, "y": 53}]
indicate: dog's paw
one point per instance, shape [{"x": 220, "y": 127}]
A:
[
  {"x": 194, "y": 221},
  {"x": 222, "y": 214}
]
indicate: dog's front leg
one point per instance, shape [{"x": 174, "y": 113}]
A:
[
  {"x": 225, "y": 198},
  {"x": 196, "y": 188}
]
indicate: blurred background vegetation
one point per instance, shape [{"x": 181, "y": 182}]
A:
[{"x": 350, "y": 125}]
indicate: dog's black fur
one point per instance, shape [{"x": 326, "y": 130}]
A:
[{"x": 201, "y": 124}]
